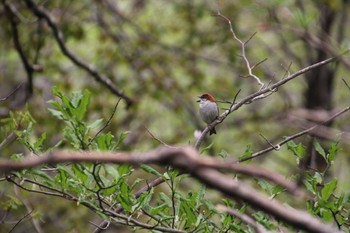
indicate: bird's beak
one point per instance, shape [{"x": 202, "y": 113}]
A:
[{"x": 198, "y": 101}]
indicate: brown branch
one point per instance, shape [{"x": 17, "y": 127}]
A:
[
  {"x": 188, "y": 160},
  {"x": 244, "y": 218},
  {"x": 243, "y": 51},
  {"x": 27, "y": 66},
  {"x": 287, "y": 139},
  {"x": 19, "y": 221},
  {"x": 160, "y": 156},
  {"x": 42, "y": 13},
  {"x": 235, "y": 189},
  {"x": 107, "y": 123},
  {"x": 11, "y": 93},
  {"x": 260, "y": 95}
]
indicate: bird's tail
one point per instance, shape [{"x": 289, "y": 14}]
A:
[{"x": 212, "y": 131}]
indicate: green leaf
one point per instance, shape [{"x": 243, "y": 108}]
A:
[
  {"x": 189, "y": 213},
  {"x": 332, "y": 152},
  {"x": 94, "y": 124},
  {"x": 165, "y": 199},
  {"x": 248, "y": 152},
  {"x": 271, "y": 189},
  {"x": 326, "y": 215},
  {"x": 328, "y": 189},
  {"x": 124, "y": 197},
  {"x": 200, "y": 196},
  {"x": 319, "y": 149},
  {"x": 223, "y": 154},
  {"x": 112, "y": 171},
  {"x": 81, "y": 102},
  {"x": 56, "y": 92},
  {"x": 58, "y": 114},
  {"x": 206, "y": 148},
  {"x": 104, "y": 142},
  {"x": 124, "y": 170},
  {"x": 159, "y": 209},
  {"x": 297, "y": 149},
  {"x": 38, "y": 145},
  {"x": 150, "y": 170},
  {"x": 136, "y": 182},
  {"x": 109, "y": 191},
  {"x": 144, "y": 200},
  {"x": 122, "y": 136},
  {"x": 309, "y": 186}
]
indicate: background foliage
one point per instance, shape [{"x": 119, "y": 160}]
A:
[{"x": 162, "y": 55}]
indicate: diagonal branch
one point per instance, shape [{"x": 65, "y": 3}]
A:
[
  {"x": 287, "y": 139},
  {"x": 188, "y": 160},
  {"x": 27, "y": 66},
  {"x": 11, "y": 93},
  {"x": 244, "y": 218},
  {"x": 260, "y": 95},
  {"x": 44, "y": 14}
]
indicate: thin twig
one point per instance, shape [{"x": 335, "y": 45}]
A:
[
  {"x": 19, "y": 221},
  {"x": 107, "y": 123},
  {"x": 287, "y": 139},
  {"x": 276, "y": 148},
  {"x": 12, "y": 92},
  {"x": 99, "y": 227},
  {"x": 243, "y": 51},
  {"x": 260, "y": 95},
  {"x": 257, "y": 64},
  {"x": 243, "y": 217},
  {"x": 346, "y": 83},
  {"x": 155, "y": 138}
]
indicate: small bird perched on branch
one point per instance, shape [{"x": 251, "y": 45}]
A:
[{"x": 208, "y": 110}]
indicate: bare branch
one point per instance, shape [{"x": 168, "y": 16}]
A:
[
  {"x": 44, "y": 14},
  {"x": 11, "y": 93},
  {"x": 188, "y": 160},
  {"x": 244, "y": 218},
  {"x": 155, "y": 138},
  {"x": 242, "y": 44},
  {"x": 19, "y": 221},
  {"x": 347, "y": 85},
  {"x": 260, "y": 62},
  {"x": 276, "y": 148},
  {"x": 260, "y": 95},
  {"x": 287, "y": 139}
]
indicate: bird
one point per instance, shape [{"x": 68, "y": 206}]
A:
[{"x": 208, "y": 110}]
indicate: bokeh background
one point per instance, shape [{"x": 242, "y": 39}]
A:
[{"x": 162, "y": 55}]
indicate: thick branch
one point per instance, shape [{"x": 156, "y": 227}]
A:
[{"x": 188, "y": 160}]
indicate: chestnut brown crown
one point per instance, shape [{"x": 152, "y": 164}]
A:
[{"x": 207, "y": 97}]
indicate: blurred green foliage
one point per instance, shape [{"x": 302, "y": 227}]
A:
[{"x": 163, "y": 54}]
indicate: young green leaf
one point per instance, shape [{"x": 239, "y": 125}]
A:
[
  {"x": 328, "y": 189},
  {"x": 150, "y": 170},
  {"x": 319, "y": 149},
  {"x": 248, "y": 152},
  {"x": 205, "y": 149}
]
